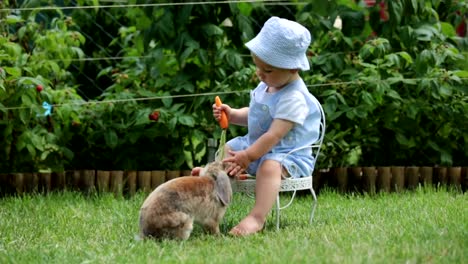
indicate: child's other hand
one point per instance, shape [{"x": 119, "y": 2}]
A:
[{"x": 237, "y": 162}]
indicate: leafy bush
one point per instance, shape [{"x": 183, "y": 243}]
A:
[
  {"x": 34, "y": 59},
  {"x": 398, "y": 98}
]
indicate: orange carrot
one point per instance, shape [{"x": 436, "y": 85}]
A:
[
  {"x": 223, "y": 121},
  {"x": 241, "y": 177}
]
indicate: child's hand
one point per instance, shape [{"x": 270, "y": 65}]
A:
[
  {"x": 237, "y": 162},
  {"x": 196, "y": 171},
  {"x": 217, "y": 111}
]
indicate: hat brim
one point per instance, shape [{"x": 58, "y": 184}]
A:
[{"x": 276, "y": 57}]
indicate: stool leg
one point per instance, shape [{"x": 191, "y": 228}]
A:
[
  {"x": 277, "y": 212},
  {"x": 314, "y": 204}
]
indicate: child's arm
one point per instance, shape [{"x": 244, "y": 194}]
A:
[
  {"x": 235, "y": 116},
  {"x": 241, "y": 159}
]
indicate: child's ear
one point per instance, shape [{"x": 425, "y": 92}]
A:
[{"x": 294, "y": 71}]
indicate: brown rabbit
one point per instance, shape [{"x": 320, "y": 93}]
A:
[{"x": 170, "y": 210}]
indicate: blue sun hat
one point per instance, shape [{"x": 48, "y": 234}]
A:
[{"x": 282, "y": 43}]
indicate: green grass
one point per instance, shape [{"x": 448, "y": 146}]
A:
[{"x": 422, "y": 226}]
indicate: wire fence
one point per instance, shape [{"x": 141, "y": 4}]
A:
[{"x": 102, "y": 57}]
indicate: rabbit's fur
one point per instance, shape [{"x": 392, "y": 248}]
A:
[{"x": 170, "y": 210}]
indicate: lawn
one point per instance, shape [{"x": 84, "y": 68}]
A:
[{"x": 421, "y": 226}]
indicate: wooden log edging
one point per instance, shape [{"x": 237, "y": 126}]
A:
[
  {"x": 86, "y": 181},
  {"x": 374, "y": 179},
  {"x": 370, "y": 180}
]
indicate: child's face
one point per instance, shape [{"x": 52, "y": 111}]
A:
[{"x": 272, "y": 76}]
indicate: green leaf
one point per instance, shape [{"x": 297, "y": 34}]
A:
[
  {"x": 167, "y": 101},
  {"x": 461, "y": 73},
  {"x": 410, "y": 81},
  {"x": 393, "y": 80},
  {"x": 425, "y": 33},
  {"x": 446, "y": 158},
  {"x": 367, "y": 98},
  {"x": 234, "y": 59},
  {"x": 245, "y": 8},
  {"x": 406, "y": 57},
  {"x": 67, "y": 153},
  {"x": 111, "y": 139},
  {"x": 44, "y": 155},
  {"x": 331, "y": 104},
  {"x": 412, "y": 111},
  {"x": 12, "y": 49},
  {"x": 24, "y": 116},
  {"x": 414, "y": 4},
  {"x": 187, "y": 52},
  {"x": 403, "y": 140},
  {"x": 27, "y": 80},
  {"x": 186, "y": 120},
  {"x": 203, "y": 56},
  {"x": 393, "y": 94},
  {"x": 328, "y": 93},
  {"x": 142, "y": 117},
  {"x": 211, "y": 30},
  {"x": 445, "y": 90},
  {"x": 13, "y": 71},
  {"x": 31, "y": 150},
  {"x": 10, "y": 19},
  {"x": 447, "y": 29},
  {"x": 172, "y": 124}
]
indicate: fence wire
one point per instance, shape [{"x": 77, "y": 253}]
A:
[{"x": 103, "y": 54}]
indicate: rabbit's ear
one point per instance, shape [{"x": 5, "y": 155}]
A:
[{"x": 223, "y": 188}]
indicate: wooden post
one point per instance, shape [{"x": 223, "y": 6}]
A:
[
  {"x": 74, "y": 180},
  {"x": 398, "y": 178},
  {"x": 45, "y": 182},
  {"x": 440, "y": 174},
  {"x": 426, "y": 173},
  {"x": 412, "y": 177},
  {"x": 144, "y": 181},
  {"x": 116, "y": 182},
  {"x": 18, "y": 182},
  {"x": 88, "y": 178},
  {"x": 369, "y": 176},
  {"x": 341, "y": 175},
  {"x": 186, "y": 173},
  {"x": 30, "y": 182},
  {"x": 58, "y": 181},
  {"x": 317, "y": 181},
  {"x": 157, "y": 178},
  {"x": 355, "y": 177},
  {"x": 172, "y": 174},
  {"x": 131, "y": 182},
  {"x": 464, "y": 179},
  {"x": 103, "y": 180},
  {"x": 454, "y": 176},
  {"x": 384, "y": 178}
]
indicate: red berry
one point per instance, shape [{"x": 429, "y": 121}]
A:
[
  {"x": 39, "y": 88},
  {"x": 154, "y": 116}
]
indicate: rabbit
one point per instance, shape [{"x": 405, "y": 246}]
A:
[{"x": 172, "y": 208}]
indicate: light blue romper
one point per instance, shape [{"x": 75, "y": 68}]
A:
[{"x": 294, "y": 103}]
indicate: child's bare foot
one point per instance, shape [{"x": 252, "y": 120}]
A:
[{"x": 248, "y": 226}]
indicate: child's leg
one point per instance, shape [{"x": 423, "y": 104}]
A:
[{"x": 268, "y": 180}]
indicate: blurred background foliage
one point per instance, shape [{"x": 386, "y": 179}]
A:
[{"x": 131, "y": 83}]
